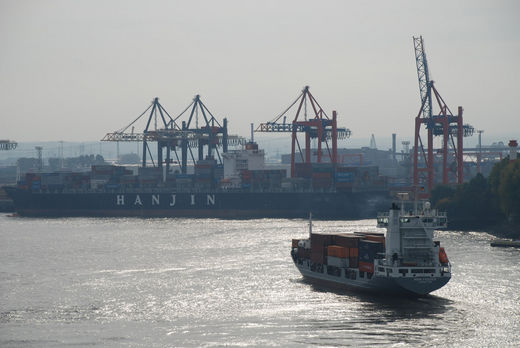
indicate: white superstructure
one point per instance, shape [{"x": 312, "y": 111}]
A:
[{"x": 249, "y": 158}]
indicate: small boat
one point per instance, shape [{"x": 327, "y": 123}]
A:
[{"x": 505, "y": 243}]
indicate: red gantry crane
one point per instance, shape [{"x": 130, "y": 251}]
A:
[
  {"x": 319, "y": 127},
  {"x": 445, "y": 123}
]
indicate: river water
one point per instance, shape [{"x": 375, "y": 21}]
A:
[{"x": 89, "y": 282}]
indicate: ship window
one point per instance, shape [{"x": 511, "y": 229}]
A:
[
  {"x": 404, "y": 220},
  {"x": 429, "y": 271},
  {"x": 417, "y": 270},
  {"x": 361, "y": 274},
  {"x": 381, "y": 269},
  {"x": 403, "y": 270},
  {"x": 427, "y": 220}
]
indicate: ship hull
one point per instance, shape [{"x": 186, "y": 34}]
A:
[
  {"x": 411, "y": 287},
  {"x": 323, "y": 205}
]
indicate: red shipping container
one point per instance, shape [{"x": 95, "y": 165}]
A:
[
  {"x": 322, "y": 239},
  {"x": 366, "y": 267},
  {"x": 318, "y": 257}
]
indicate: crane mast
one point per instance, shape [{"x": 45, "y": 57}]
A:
[{"x": 424, "y": 77}]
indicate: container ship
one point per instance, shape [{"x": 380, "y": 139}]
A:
[
  {"x": 406, "y": 261},
  {"x": 220, "y": 184},
  {"x": 241, "y": 187}
]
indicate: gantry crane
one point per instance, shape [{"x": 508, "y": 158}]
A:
[
  {"x": 319, "y": 127},
  {"x": 211, "y": 134},
  {"x": 170, "y": 136},
  {"x": 445, "y": 124}
]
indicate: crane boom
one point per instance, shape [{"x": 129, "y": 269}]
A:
[{"x": 423, "y": 76}]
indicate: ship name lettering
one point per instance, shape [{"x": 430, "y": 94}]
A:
[
  {"x": 192, "y": 199},
  {"x": 155, "y": 199},
  {"x": 210, "y": 199},
  {"x": 120, "y": 199},
  {"x": 138, "y": 200},
  {"x": 172, "y": 203}
]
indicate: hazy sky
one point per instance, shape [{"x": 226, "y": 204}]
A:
[{"x": 75, "y": 70}]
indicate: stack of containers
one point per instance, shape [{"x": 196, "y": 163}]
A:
[
  {"x": 322, "y": 176},
  {"x": 204, "y": 173},
  {"x": 246, "y": 177},
  {"x": 319, "y": 244},
  {"x": 32, "y": 181},
  {"x": 351, "y": 250},
  {"x": 267, "y": 178},
  {"x": 149, "y": 176},
  {"x": 303, "y": 170},
  {"x": 79, "y": 181},
  {"x": 52, "y": 181},
  {"x": 338, "y": 256},
  {"x": 345, "y": 177},
  {"x": 350, "y": 241},
  {"x": 128, "y": 181}
]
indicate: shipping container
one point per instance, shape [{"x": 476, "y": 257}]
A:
[
  {"x": 346, "y": 240},
  {"x": 322, "y": 168},
  {"x": 337, "y": 251},
  {"x": 337, "y": 261},
  {"x": 318, "y": 256},
  {"x": 345, "y": 177},
  {"x": 303, "y": 170},
  {"x": 321, "y": 240},
  {"x": 354, "y": 252},
  {"x": 366, "y": 266}
]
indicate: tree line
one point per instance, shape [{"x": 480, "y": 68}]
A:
[{"x": 483, "y": 202}]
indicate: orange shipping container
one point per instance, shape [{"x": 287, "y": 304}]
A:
[
  {"x": 354, "y": 252},
  {"x": 337, "y": 251}
]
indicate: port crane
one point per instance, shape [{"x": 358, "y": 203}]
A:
[
  {"x": 444, "y": 124},
  {"x": 169, "y": 135},
  {"x": 319, "y": 127},
  {"x": 211, "y": 134}
]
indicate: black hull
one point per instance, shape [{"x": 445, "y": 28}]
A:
[{"x": 323, "y": 205}]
